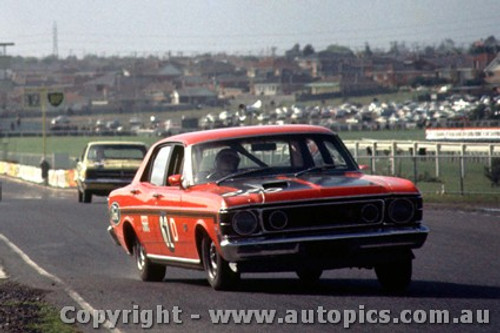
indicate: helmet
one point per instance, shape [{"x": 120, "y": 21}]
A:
[{"x": 227, "y": 160}]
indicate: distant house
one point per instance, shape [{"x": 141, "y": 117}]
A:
[
  {"x": 169, "y": 71},
  {"x": 98, "y": 89},
  {"x": 492, "y": 73},
  {"x": 322, "y": 88},
  {"x": 311, "y": 64},
  {"x": 269, "y": 88},
  {"x": 196, "y": 96},
  {"x": 159, "y": 92},
  {"x": 392, "y": 73}
]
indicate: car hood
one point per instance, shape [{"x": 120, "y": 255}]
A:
[{"x": 309, "y": 187}]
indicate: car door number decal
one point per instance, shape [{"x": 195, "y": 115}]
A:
[{"x": 169, "y": 231}]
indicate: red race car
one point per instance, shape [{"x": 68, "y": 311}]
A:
[{"x": 265, "y": 199}]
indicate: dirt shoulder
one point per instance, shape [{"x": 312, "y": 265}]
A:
[{"x": 24, "y": 310}]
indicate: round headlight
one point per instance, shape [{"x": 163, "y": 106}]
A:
[
  {"x": 278, "y": 220},
  {"x": 401, "y": 210},
  {"x": 245, "y": 223},
  {"x": 370, "y": 213},
  {"x": 114, "y": 213}
]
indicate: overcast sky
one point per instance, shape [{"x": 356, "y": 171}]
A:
[{"x": 128, "y": 27}]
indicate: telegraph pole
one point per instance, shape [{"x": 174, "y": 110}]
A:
[{"x": 4, "y": 47}]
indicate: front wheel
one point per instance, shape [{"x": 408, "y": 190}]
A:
[
  {"x": 396, "y": 276},
  {"x": 148, "y": 270},
  {"x": 86, "y": 196},
  {"x": 219, "y": 274}
]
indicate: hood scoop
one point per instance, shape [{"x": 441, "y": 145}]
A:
[{"x": 275, "y": 184}]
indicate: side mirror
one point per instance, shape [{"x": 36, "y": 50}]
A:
[
  {"x": 174, "y": 180},
  {"x": 363, "y": 167}
]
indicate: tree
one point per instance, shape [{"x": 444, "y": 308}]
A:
[
  {"x": 368, "y": 52},
  {"x": 447, "y": 47},
  {"x": 490, "y": 45},
  {"x": 334, "y": 48},
  {"x": 308, "y": 50},
  {"x": 294, "y": 52}
]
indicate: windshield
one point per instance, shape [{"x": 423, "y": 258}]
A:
[
  {"x": 116, "y": 152},
  {"x": 263, "y": 156}
]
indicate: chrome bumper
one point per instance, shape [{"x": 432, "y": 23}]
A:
[
  {"x": 257, "y": 248},
  {"x": 112, "y": 234}
]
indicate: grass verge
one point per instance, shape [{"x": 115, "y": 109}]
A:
[{"x": 24, "y": 310}]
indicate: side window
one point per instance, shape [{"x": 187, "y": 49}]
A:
[
  {"x": 334, "y": 154},
  {"x": 159, "y": 167},
  {"x": 315, "y": 153},
  {"x": 176, "y": 161}
]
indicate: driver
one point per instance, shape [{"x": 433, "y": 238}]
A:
[{"x": 226, "y": 162}]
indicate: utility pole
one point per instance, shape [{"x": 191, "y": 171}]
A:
[
  {"x": 55, "y": 50},
  {"x": 4, "y": 47},
  {"x": 4, "y": 65}
]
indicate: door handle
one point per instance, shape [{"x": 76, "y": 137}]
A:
[
  {"x": 157, "y": 195},
  {"x": 134, "y": 192}
]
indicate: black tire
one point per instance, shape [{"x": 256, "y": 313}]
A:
[
  {"x": 86, "y": 196},
  {"x": 309, "y": 276},
  {"x": 395, "y": 277},
  {"x": 148, "y": 271},
  {"x": 219, "y": 275}
]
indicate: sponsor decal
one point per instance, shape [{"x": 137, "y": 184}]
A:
[
  {"x": 145, "y": 223},
  {"x": 169, "y": 231}
]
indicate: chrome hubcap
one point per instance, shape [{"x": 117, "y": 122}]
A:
[
  {"x": 141, "y": 257},
  {"x": 213, "y": 259}
]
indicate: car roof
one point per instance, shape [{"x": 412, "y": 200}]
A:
[
  {"x": 92, "y": 143},
  {"x": 238, "y": 132}
]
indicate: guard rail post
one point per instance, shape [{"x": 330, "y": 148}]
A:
[{"x": 462, "y": 168}]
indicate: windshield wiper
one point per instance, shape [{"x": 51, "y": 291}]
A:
[
  {"x": 315, "y": 168},
  {"x": 241, "y": 173}
]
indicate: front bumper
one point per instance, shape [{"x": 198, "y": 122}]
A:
[
  {"x": 112, "y": 234},
  {"x": 103, "y": 184},
  {"x": 330, "y": 245}
]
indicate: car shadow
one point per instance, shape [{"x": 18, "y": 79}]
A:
[{"x": 357, "y": 287}]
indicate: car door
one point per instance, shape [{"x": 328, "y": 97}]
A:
[{"x": 163, "y": 200}]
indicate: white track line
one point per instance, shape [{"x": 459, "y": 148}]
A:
[{"x": 73, "y": 294}]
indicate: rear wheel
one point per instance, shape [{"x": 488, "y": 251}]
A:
[
  {"x": 219, "y": 274},
  {"x": 148, "y": 270},
  {"x": 396, "y": 276}
]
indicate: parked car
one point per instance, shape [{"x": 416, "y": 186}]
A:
[
  {"x": 107, "y": 165},
  {"x": 62, "y": 123},
  {"x": 265, "y": 198}
]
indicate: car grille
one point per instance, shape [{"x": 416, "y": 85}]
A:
[
  {"x": 326, "y": 215},
  {"x": 111, "y": 174}
]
